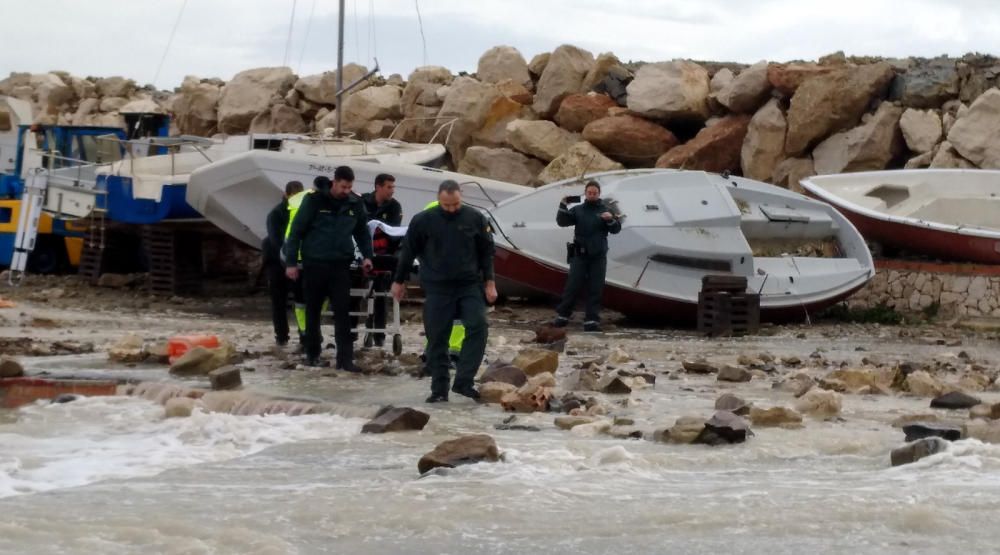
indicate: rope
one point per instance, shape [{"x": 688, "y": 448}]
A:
[
  {"x": 421, "y": 23},
  {"x": 170, "y": 42},
  {"x": 305, "y": 41},
  {"x": 288, "y": 41}
]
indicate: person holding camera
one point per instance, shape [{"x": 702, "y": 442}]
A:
[{"x": 588, "y": 254}]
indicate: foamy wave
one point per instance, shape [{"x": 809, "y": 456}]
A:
[{"x": 93, "y": 439}]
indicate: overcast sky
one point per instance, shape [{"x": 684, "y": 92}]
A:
[{"x": 217, "y": 38}]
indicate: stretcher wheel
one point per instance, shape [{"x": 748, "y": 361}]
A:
[
  {"x": 397, "y": 344},
  {"x": 369, "y": 340}
]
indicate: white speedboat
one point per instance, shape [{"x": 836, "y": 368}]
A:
[
  {"x": 677, "y": 226},
  {"x": 236, "y": 193}
]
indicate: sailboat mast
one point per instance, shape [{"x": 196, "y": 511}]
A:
[{"x": 340, "y": 66}]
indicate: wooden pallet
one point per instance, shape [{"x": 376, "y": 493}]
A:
[
  {"x": 721, "y": 313},
  {"x": 175, "y": 260}
]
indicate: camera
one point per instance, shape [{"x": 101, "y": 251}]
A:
[{"x": 572, "y": 199}]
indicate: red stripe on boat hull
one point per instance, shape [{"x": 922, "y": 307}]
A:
[{"x": 633, "y": 303}]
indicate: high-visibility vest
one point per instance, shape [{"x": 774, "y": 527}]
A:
[{"x": 294, "y": 203}]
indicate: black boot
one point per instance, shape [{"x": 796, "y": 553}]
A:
[{"x": 437, "y": 398}]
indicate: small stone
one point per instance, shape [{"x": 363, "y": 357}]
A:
[
  {"x": 723, "y": 428},
  {"x": 10, "y": 368},
  {"x": 699, "y": 366},
  {"x": 549, "y": 334},
  {"x": 179, "y": 407},
  {"x": 469, "y": 449},
  {"x": 954, "y": 400},
  {"x": 819, "y": 403},
  {"x": 396, "y": 420},
  {"x": 917, "y": 450},
  {"x": 686, "y": 429},
  {"x": 614, "y": 385},
  {"x": 985, "y": 411},
  {"x": 730, "y": 373},
  {"x": 493, "y": 392},
  {"x": 570, "y": 422},
  {"x": 920, "y": 430},
  {"x": 227, "y": 377},
  {"x": 774, "y": 416},
  {"x": 733, "y": 404},
  {"x": 65, "y": 398},
  {"x": 505, "y": 373},
  {"x": 619, "y": 356},
  {"x": 625, "y": 432},
  {"x": 536, "y": 361},
  {"x": 791, "y": 361}
]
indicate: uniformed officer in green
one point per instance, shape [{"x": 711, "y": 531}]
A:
[
  {"x": 455, "y": 248},
  {"x": 588, "y": 264},
  {"x": 322, "y": 231}
]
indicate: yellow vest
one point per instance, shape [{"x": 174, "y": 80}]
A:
[{"x": 294, "y": 203}]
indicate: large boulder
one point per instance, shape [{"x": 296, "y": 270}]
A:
[
  {"x": 494, "y": 132},
  {"x": 50, "y": 93},
  {"x": 537, "y": 64},
  {"x": 713, "y": 149},
  {"x": 607, "y": 64},
  {"x": 468, "y": 103},
  {"x": 921, "y": 129},
  {"x": 322, "y": 88},
  {"x": 393, "y": 419},
  {"x": 502, "y": 164},
  {"x": 870, "y": 146},
  {"x": 112, "y": 103},
  {"x": 142, "y": 105},
  {"x": 832, "y": 102},
  {"x": 577, "y": 110},
  {"x": 249, "y": 93},
  {"x": 954, "y": 400},
  {"x": 787, "y": 78},
  {"x": 670, "y": 91},
  {"x": 563, "y": 76},
  {"x": 929, "y": 84},
  {"x": 360, "y": 108},
  {"x": 947, "y": 157},
  {"x": 581, "y": 158},
  {"x": 747, "y": 91},
  {"x": 421, "y": 104},
  {"x": 977, "y": 73},
  {"x": 195, "y": 108},
  {"x": 631, "y": 140},
  {"x": 464, "y": 450},
  {"x": 764, "y": 146},
  {"x": 922, "y": 384},
  {"x": 281, "y": 118},
  {"x": 503, "y": 62},
  {"x": 540, "y": 138},
  {"x": 116, "y": 86},
  {"x": 976, "y": 134}
]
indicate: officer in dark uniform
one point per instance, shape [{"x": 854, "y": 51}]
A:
[
  {"x": 588, "y": 254},
  {"x": 455, "y": 248},
  {"x": 277, "y": 282},
  {"x": 382, "y": 207},
  {"x": 322, "y": 233}
]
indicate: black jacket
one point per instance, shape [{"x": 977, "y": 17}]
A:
[
  {"x": 453, "y": 249},
  {"x": 390, "y": 213},
  {"x": 277, "y": 223},
  {"x": 591, "y": 232},
  {"x": 323, "y": 229}
]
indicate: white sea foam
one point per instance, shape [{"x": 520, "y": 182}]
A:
[{"x": 93, "y": 439}]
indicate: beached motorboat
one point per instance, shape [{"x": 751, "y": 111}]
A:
[
  {"x": 677, "y": 226},
  {"x": 947, "y": 213},
  {"x": 152, "y": 189},
  {"x": 237, "y": 192}
]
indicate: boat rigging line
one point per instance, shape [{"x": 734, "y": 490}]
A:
[
  {"x": 288, "y": 41},
  {"x": 170, "y": 41},
  {"x": 420, "y": 22},
  {"x": 305, "y": 40}
]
